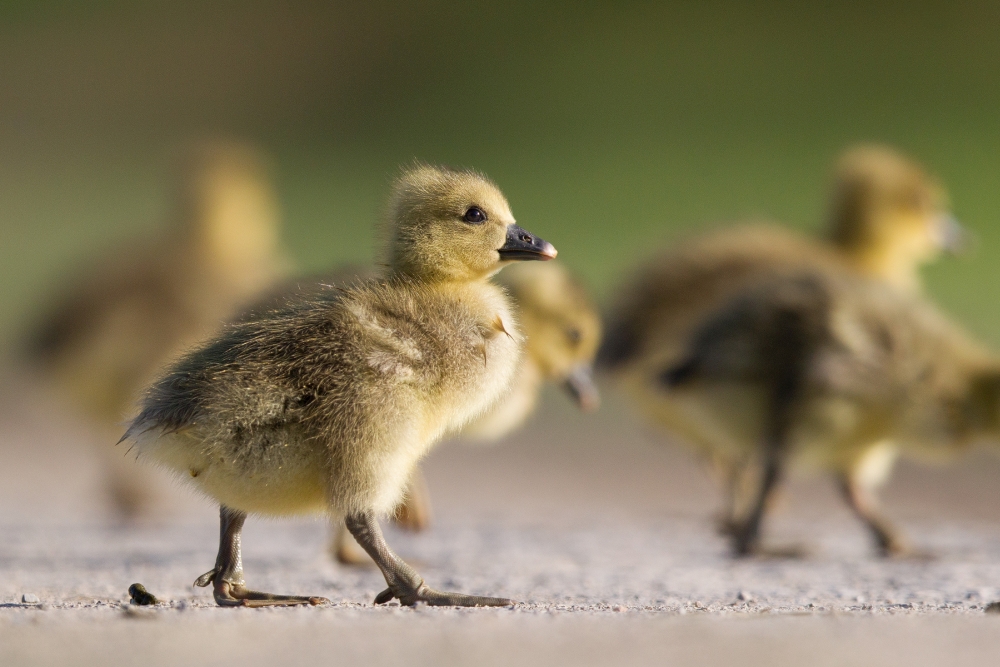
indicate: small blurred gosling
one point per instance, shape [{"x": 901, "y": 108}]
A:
[
  {"x": 329, "y": 403},
  {"x": 833, "y": 371},
  {"x": 886, "y": 218},
  {"x": 117, "y": 324},
  {"x": 562, "y": 331}
]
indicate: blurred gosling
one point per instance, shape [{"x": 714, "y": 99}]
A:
[
  {"x": 886, "y": 218},
  {"x": 835, "y": 372},
  {"x": 562, "y": 331},
  {"x": 330, "y": 403},
  {"x": 119, "y": 322}
]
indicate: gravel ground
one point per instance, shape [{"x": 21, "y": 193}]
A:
[{"x": 603, "y": 535}]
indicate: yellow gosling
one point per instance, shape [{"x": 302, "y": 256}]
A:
[
  {"x": 329, "y": 403},
  {"x": 834, "y": 372}
]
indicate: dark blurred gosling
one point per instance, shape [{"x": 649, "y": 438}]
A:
[
  {"x": 329, "y": 403},
  {"x": 836, "y": 373},
  {"x": 886, "y": 218},
  {"x": 120, "y": 320}
]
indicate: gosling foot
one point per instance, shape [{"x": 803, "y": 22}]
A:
[
  {"x": 429, "y": 596},
  {"x": 228, "y": 594},
  {"x": 782, "y": 552},
  {"x": 902, "y": 550},
  {"x": 404, "y": 583}
]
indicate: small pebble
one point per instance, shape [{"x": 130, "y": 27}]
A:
[
  {"x": 141, "y": 596},
  {"x": 993, "y": 608},
  {"x": 29, "y": 598},
  {"x": 744, "y": 596}
]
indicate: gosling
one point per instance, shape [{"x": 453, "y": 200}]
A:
[
  {"x": 329, "y": 403},
  {"x": 120, "y": 321},
  {"x": 562, "y": 331},
  {"x": 886, "y": 218},
  {"x": 833, "y": 371}
]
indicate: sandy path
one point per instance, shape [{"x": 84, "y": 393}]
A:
[{"x": 603, "y": 535}]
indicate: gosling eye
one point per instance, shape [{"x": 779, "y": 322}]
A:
[
  {"x": 474, "y": 216},
  {"x": 574, "y": 336}
]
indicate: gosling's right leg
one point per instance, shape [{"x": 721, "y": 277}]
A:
[
  {"x": 414, "y": 513},
  {"x": 227, "y": 576},
  {"x": 404, "y": 582}
]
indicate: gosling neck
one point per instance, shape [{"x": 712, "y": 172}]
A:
[{"x": 883, "y": 262}]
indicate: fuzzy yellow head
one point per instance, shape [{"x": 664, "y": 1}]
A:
[
  {"x": 888, "y": 215},
  {"x": 454, "y": 225},
  {"x": 228, "y": 207},
  {"x": 560, "y": 323}
]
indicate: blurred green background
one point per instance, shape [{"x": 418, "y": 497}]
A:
[{"x": 612, "y": 127}]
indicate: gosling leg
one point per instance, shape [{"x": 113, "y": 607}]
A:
[
  {"x": 414, "y": 513},
  {"x": 404, "y": 582},
  {"x": 864, "y": 502},
  {"x": 745, "y": 533},
  {"x": 229, "y": 588},
  {"x": 788, "y": 351},
  {"x": 344, "y": 548}
]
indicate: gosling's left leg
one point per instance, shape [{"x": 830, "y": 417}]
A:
[
  {"x": 227, "y": 575},
  {"x": 414, "y": 513},
  {"x": 404, "y": 582},
  {"x": 889, "y": 541}
]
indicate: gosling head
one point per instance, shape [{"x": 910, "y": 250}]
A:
[
  {"x": 449, "y": 225},
  {"x": 889, "y": 215},
  {"x": 561, "y": 326},
  {"x": 227, "y": 205}
]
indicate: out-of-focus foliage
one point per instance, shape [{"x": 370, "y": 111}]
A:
[{"x": 611, "y": 126}]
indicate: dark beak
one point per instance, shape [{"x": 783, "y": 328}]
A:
[
  {"x": 580, "y": 385},
  {"x": 955, "y": 239},
  {"x": 521, "y": 245}
]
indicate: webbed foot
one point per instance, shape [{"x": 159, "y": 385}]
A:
[
  {"x": 423, "y": 593},
  {"x": 228, "y": 594}
]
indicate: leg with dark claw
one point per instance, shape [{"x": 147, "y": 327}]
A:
[
  {"x": 789, "y": 348},
  {"x": 404, "y": 583},
  {"x": 745, "y": 533},
  {"x": 227, "y": 575}
]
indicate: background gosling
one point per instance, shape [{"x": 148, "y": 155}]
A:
[
  {"x": 886, "y": 218},
  {"x": 121, "y": 320},
  {"x": 561, "y": 330},
  {"x": 330, "y": 402},
  {"x": 834, "y": 371}
]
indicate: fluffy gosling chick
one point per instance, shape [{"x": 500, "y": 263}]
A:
[
  {"x": 886, "y": 217},
  {"x": 124, "y": 318},
  {"x": 834, "y": 371},
  {"x": 329, "y": 403},
  {"x": 562, "y": 331}
]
